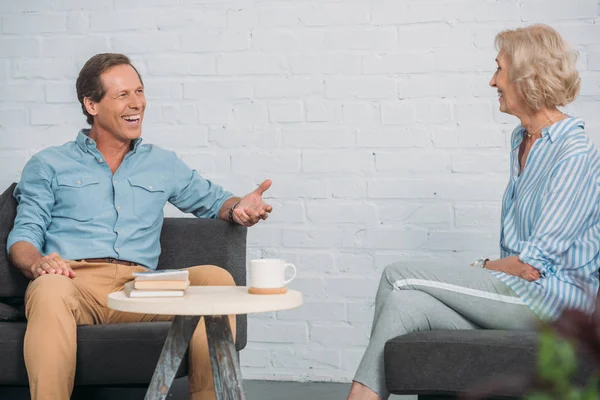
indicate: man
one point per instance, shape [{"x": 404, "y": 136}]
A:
[{"x": 90, "y": 214}]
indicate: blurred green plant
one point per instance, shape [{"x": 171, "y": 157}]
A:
[
  {"x": 561, "y": 342},
  {"x": 556, "y": 365}
]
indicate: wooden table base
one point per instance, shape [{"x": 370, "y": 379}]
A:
[
  {"x": 223, "y": 357},
  {"x": 177, "y": 342}
]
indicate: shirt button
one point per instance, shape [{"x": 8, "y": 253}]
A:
[
  {"x": 118, "y": 207},
  {"x": 149, "y": 187},
  {"x": 117, "y": 249},
  {"x": 115, "y": 181},
  {"x": 79, "y": 182},
  {"x": 100, "y": 160}
]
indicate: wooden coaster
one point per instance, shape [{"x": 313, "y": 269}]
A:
[{"x": 253, "y": 290}]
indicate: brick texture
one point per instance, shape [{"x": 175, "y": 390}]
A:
[{"x": 374, "y": 119}]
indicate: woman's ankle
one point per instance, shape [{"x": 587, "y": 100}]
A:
[{"x": 358, "y": 391}]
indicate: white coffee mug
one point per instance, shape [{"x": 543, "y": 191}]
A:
[{"x": 269, "y": 273}]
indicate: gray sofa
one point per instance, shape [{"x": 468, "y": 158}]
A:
[{"x": 122, "y": 355}]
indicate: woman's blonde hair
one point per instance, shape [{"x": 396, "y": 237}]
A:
[{"x": 542, "y": 65}]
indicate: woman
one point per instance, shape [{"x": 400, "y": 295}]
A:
[{"x": 550, "y": 230}]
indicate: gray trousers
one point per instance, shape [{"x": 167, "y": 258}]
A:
[{"x": 415, "y": 299}]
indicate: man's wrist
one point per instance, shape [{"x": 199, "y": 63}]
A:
[{"x": 230, "y": 213}]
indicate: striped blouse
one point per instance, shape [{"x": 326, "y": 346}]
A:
[{"x": 551, "y": 219}]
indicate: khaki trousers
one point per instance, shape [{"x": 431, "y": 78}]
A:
[{"x": 56, "y": 304}]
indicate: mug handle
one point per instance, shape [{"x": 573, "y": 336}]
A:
[{"x": 292, "y": 278}]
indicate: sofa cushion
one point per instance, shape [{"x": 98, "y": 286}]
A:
[
  {"x": 449, "y": 362},
  {"x": 106, "y": 354},
  {"x": 10, "y": 313},
  {"x": 12, "y": 281},
  {"x": 456, "y": 362}
]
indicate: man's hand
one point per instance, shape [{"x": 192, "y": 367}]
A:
[
  {"x": 51, "y": 264},
  {"x": 252, "y": 207}
]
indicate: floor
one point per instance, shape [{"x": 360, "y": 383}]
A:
[
  {"x": 295, "y": 390},
  {"x": 261, "y": 390},
  {"x": 255, "y": 390},
  {"x": 270, "y": 390}
]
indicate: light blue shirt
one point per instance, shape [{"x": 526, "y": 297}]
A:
[
  {"x": 551, "y": 219},
  {"x": 69, "y": 201}
]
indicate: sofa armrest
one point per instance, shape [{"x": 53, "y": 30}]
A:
[
  {"x": 12, "y": 281},
  {"x": 186, "y": 242}
]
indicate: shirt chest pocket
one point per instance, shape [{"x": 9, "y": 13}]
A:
[
  {"x": 149, "y": 198},
  {"x": 78, "y": 196}
]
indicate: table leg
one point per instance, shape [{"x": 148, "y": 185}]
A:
[
  {"x": 178, "y": 340},
  {"x": 223, "y": 358}
]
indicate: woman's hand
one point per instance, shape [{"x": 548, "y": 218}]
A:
[
  {"x": 528, "y": 273},
  {"x": 513, "y": 266}
]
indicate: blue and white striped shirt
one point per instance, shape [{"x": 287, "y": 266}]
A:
[{"x": 551, "y": 219}]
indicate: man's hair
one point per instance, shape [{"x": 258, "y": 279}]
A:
[
  {"x": 542, "y": 65},
  {"x": 89, "y": 83}
]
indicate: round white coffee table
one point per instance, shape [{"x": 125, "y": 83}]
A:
[{"x": 213, "y": 303}]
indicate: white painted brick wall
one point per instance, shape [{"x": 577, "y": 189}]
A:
[{"x": 374, "y": 120}]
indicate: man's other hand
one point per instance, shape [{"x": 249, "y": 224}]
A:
[{"x": 51, "y": 264}]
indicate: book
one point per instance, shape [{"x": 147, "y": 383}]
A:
[
  {"x": 131, "y": 292},
  {"x": 160, "y": 285},
  {"x": 162, "y": 275}
]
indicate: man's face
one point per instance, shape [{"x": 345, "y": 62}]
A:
[{"x": 121, "y": 110}]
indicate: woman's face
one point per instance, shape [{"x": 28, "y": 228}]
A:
[{"x": 510, "y": 100}]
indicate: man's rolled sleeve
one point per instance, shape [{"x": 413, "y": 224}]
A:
[
  {"x": 194, "y": 194},
  {"x": 35, "y": 200}
]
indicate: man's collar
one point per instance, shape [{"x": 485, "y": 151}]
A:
[
  {"x": 85, "y": 142},
  {"x": 136, "y": 143}
]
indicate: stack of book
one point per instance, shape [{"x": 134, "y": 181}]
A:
[{"x": 163, "y": 283}]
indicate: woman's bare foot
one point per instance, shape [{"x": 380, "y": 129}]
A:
[{"x": 358, "y": 391}]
